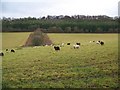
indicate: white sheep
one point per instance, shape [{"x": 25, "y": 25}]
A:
[
  {"x": 76, "y": 46},
  {"x": 90, "y": 42},
  {"x": 97, "y": 42}
]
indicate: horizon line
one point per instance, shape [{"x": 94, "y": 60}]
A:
[{"x": 57, "y": 15}]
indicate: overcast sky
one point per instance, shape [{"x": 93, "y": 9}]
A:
[{"x": 39, "y": 8}]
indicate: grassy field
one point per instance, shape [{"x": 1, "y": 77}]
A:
[
  {"x": 89, "y": 66},
  {"x": 13, "y": 40}
]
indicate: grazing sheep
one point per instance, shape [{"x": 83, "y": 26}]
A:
[
  {"x": 36, "y": 47},
  {"x": 51, "y": 45},
  {"x": 90, "y": 42},
  {"x": 62, "y": 45},
  {"x": 57, "y": 48},
  {"x": 46, "y": 45},
  {"x": 77, "y": 43},
  {"x": 12, "y": 50},
  {"x": 68, "y": 43},
  {"x": 102, "y": 43},
  {"x": 1, "y": 54},
  {"x": 97, "y": 42},
  {"x": 76, "y": 46},
  {"x": 6, "y": 49}
]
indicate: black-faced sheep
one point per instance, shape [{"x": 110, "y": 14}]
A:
[
  {"x": 57, "y": 48},
  {"x": 12, "y": 50},
  {"x": 102, "y": 43},
  {"x": 77, "y": 43},
  {"x": 1, "y": 54},
  {"x": 99, "y": 41},
  {"x": 68, "y": 43},
  {"x": 6, "y": 49}
]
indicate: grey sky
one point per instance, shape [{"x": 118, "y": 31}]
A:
[
  {"x": 119, "y": 9},
  {"x": 39, "y": 8}
]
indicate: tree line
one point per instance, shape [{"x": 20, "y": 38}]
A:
[{"x": 63, "y": 24}]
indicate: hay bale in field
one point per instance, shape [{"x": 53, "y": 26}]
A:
[
  {"x": 38, "y": 38},
  {"x": 46, "y": 40}
]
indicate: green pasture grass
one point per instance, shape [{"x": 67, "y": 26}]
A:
[
  {"x": 83, "y": 38},
  {"x": 90, "y": 66},
  {"x": 12, "y": 40}
]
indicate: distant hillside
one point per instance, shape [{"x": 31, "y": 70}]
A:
[{"x": 63, "y": 24}]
